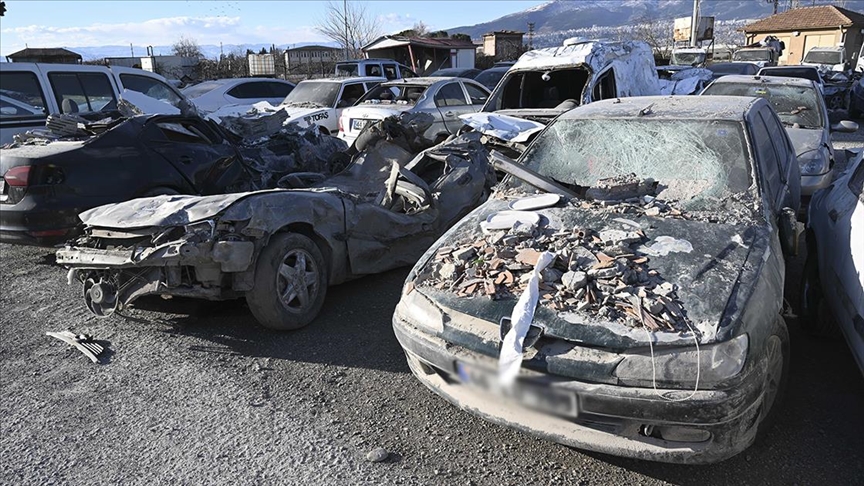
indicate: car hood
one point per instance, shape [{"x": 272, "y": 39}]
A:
[
  {"x": 720, "y": 268},
  {"x": 804, "y": 139},
  {"x": 162, "y": 210},
  {"x": 296, "y": 113}
]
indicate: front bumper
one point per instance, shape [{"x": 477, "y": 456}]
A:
[{"x": 709, "y": 427}]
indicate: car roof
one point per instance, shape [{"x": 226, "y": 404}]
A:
[
  {"x": 424, "y": 81},
  {"x": 835, "y": 48},
  {"x": 757, "y": 79},
  {"x": 732, "y": 108},
  {"x": 351, "y": 79}
]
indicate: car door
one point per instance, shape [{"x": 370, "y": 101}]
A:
[
  {"x": 451, "y": 102},
  {"x": 198, "y": 151},
  {"x": 477, "y": 95},
  {"x": 842, "y": 252}
]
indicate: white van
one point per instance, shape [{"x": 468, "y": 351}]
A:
[
  {"x": 29, "y": 92},
  {"x": 387, "y": 68}
]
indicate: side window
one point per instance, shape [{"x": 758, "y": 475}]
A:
[
  {"x": 21, "y": 96},
  {"x": 250, "y": 90},
  {"x": 856, "y": 182},
  {"x": 390, "y": 71},
  {"x": 767, "y": 159},
  {"x": 407, "y": 73},
  {"x": 350, "y": 94},
  {"x": 450, "y": 95},
  {"x": 477, "y": 95},
  {"x": 82, "y": 92},
  {"x": 188, "y": 132},
  {"x": 373, "y": 70},
  {"x": 150, "y": 87},
  {"x": 778, "y": 138},
  {"x": 279, "y": 90},
  {"x": 605, "y": 87}
]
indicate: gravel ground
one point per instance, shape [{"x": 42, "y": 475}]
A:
[{"x": 202, "y": 395}]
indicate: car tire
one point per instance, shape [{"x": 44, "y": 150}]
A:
[
  {"x": 816, "y": 318},
  {"x": 776, "y": 377},
  {"x": 290, "y": 267}
]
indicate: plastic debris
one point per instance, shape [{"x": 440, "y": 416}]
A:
[{"x": 82, "y": 342}]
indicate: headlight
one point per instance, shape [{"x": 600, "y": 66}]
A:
[
  {"x": 676, "y": 367},
  {"x": 416, "y": 309},
  {"x": 812, "y": 163}
]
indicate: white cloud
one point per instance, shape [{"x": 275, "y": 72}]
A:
[
  {"x": 161, "y": 31},
  {"x": 393, "y": 22}
]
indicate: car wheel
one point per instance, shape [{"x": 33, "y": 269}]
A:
[
  {"x": 776, "y": 376},
  {"x": 815, "y": 316},
  {"x": 290, "y": 283}
]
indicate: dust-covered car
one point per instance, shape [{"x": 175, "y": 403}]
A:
[
  {"x": 282, "y": 248},
  {"x": 442, "y": 98},
  {"x": 622, "y": 290},
  {"x": 832, "y": 290},
  {"x": 321, "y": 101}
]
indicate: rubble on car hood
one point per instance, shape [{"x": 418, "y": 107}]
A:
[{"x": 623, "y": 267}]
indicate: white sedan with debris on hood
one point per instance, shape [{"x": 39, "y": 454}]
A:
[
  {"x": 443, "y": 98},
  {"x": 321, "y": 101}
]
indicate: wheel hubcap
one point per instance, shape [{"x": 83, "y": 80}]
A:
[{"x": 297, "y": 281}]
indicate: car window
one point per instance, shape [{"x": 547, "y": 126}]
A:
[
  {"x": 604, "y": 89},
  {"x": 856, "y": 182},
  {"x": 476, "y": 95},
  {"x": 775, "y": 133},
  {"x": 251, "y": 90},
  {"x": 450, "y": 94},
  {"x": 350, "y": 94},
  {"x": 800, "y": 105},
  {"x": 150, "y": 87},
  {"x": 82, "y": 92},
  {"x": 279, "y": 90},
  {"x": 407, "y": 73},
  {"x": 390, "y": 71},
  {"x": 21, "y": 96},
  {"x": 767, "y": 158},
  {"x": 373, "y": 70}
]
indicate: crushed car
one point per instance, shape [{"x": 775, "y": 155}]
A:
[
  {"x": 282, "y": 248},
  {"x": 832, "y": 288},
  {"x": 621, "y": 291}
]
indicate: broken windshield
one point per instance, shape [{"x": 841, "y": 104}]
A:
[
  {"x": 823, "y": 57},
  {"x": 756, "y": 55},
  {"x": 696, "y": 162},
  {"x": 314, "y": 92},
  {"x": 688, "y": 58},
  {"x": 528, "y": 89},
  {"x": 794, "y": 104}
]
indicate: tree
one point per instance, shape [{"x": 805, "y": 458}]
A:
[
  {"x": 464, "y": 37},
  {"x": 350, "y": 25},
  {"x": 187, "y": 47}
]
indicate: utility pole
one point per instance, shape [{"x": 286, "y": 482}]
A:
[
  {"x": 694, "y": 24},
  {"x": 345, "y": 18},
  {"x": 530, "y": 35}
]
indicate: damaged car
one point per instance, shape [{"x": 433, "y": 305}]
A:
[
  {"x": 320, "y": 102},
  {"x": 281, "y": 249},
  {"x": 621, "y": 291}
]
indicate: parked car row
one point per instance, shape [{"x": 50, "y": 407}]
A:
[{"x": 620, "y": 288}]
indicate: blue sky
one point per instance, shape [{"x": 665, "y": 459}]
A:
[{"x": 161, "y": 22}]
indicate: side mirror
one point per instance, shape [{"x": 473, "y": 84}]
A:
[
  {"x": 845, "y": 126},
  {"x": 788, "y": 225}
]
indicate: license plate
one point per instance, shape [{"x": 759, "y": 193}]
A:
[
  {"x": 358, "y": 124},
  {"x": 538, "y": 397}
]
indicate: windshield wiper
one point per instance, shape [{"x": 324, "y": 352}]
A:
[{"x": 506, "y": 164}]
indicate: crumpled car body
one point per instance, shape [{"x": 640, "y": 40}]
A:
[
  {"x": 835, "y": 261},
  {"x": 655, "y": 332},
  {"x": 281, "y": 248}
]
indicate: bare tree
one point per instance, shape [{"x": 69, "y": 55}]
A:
[
  {"x": 350, "y": 24},
  {"x": 187, "y": 47},
  {"x": 657, "y": 33}
]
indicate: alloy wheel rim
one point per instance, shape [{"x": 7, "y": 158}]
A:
[{"x": 297, "y": 280}]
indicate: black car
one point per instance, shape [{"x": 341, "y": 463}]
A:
[
  {"x": 491, "y": 76},
  {"x": 45, "y": 186},
  {"x": 467, "y": 73},
  {"x": 622, "y": 290}
]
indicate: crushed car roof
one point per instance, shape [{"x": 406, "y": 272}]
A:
[
  {"x": 595, "y": 54},
  {"x": 669, "y": 107}
]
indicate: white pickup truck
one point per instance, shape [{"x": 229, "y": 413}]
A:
[{"x": 29, "y": 92}]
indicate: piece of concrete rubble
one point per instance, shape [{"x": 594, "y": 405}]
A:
[
  {"x": 574, "y": 280},
  {"x": 465, "y": 254}
]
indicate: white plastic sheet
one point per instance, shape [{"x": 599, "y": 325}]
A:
[
  {"x": 510, "y": 359},
  {"x": 505, "y": 127}
]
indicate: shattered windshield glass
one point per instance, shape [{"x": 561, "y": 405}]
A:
[
  {"x": 794, "y": 104},
  {"x": 696, "y": 162},
  {"x": 823, "y": 57},
  {"x": 688, "y": 58},
  {"x": 313, "y": 92},
  {"x": 757, "y": 55}
]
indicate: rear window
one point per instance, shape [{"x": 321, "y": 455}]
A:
[
  {"x": 82, "y": 92},
  {"x": 150, "y": 87},
  {"x": 799, "y": 105},
  {"x": 20, "y": 96},
  {"x": 823, "y": 57},
  {"x": 401, "y": 94}
]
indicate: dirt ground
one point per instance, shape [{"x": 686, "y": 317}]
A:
[{"x": 203, "y": 395}]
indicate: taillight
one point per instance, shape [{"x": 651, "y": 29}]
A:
[
  {"x": 340, "y": 125},
  {"x": 18, "y": 176}
]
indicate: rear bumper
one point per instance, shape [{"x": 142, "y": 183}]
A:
[
  {"x": 26, "y": 223},
  {"x": 709, "y": 427}
]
